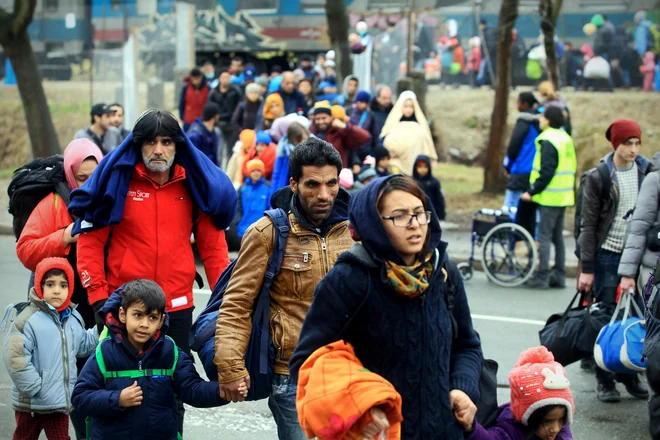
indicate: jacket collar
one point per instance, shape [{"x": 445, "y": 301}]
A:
[
  {"x": 641, "y": 161},
  {"x": 177, "y": 174}
]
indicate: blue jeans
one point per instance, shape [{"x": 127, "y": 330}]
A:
[
  {"x": 511, "y": 200},
  {"x": 282, "y": 403},
  {"x": 606, "y": 279}
]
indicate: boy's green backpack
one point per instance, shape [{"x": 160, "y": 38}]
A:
[
  {"x": 133, "y": 374},
  {"x": 534, "y": 69},
  {"x": 654, "y": 39}
]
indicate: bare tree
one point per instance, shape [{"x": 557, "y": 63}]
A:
[
  {"x": 549, "y": 11},
  {"x": 337, "y": 17},
  {"x": 15, "y": 41},
  {"x": 494, "y": 177}
]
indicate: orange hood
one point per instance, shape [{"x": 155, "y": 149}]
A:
[
  {"x": 54, "y": 263},
  {"x": 336, "y": 393}
]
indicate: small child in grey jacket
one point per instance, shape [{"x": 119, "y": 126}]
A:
[{"x": 40, "y": 353}]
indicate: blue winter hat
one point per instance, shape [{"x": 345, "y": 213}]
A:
[
  {"x": 363, "y": 96},
  {"x": 250, "y": 73},
  {"x": 264, "y": 138}
]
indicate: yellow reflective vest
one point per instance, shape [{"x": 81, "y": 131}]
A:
[{"x": 560, "y": 190}]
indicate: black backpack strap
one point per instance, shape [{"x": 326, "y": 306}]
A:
[
  {"x": 63, "y": 190},
  {"x": 451, "y": 267},
  {"x": 262, "y": 311},
  {"x": 605, "y": 179}
]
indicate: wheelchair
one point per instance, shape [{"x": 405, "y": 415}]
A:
[{"x": 508, "y": 251}]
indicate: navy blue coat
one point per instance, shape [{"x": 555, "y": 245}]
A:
[
  {"x": 409, "y": 342},
  {"x": 206, "y": 141},
  {"x": 156, "y": 416}
]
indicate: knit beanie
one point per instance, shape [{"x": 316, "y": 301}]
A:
[
  {"x": 264, "y": 138},
  {"x": 255, "y": 164},
  {"x": 248, "y": 138},
  {"x": 538, "y": 381},
  {"x": 380, "y": 153},
  {"x": 598, "y": 20},
  {"x": 54, "y": 263},
  {"x": 322, "y": 107},
  {"x": 338, "y": 112},
  {"x": 363, "y": 96},
  {"x": 367, "y": 174},
  {"x": 346, "y": 178},
  {"x": 621, "y": 130}
]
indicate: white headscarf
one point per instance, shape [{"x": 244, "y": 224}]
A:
[{"x": 397, "y": 113}]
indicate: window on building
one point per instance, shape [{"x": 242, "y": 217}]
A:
[
  {"x": 51, "y": 5},
  {"x": 317, "y": 6},
  {"x": 257, "y": 5}
]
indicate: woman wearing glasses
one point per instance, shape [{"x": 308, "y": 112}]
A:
[{"x": 386, "y": 297}]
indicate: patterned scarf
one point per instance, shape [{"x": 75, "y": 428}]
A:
[{"x": 409, "y": 281}]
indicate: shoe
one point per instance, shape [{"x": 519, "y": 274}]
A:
[
  {"x": 537, "y": 283},
  {"x": 587, "y": 364},
  {"x": 636, "y": 388},
  {"x": 556, "y": 282},
  {"x": 607, "y": 393}
]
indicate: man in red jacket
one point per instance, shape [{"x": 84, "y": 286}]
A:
[
  {"x": 342, "y": 135},
  {"x": 152, "y": 240},
  {"x": 194, "y": 94}
]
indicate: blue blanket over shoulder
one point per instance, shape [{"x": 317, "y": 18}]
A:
[{"x": 100, "y": 201}]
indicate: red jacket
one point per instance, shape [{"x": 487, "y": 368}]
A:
[
  {"x": 152, "y": 241},
  {"x": 194, "y": 102},
  {"x": 267, "y": 156},
  {"x": 42, "y": 235},
  {"x": 349, "y": 138}
]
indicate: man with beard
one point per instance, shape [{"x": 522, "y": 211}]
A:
[
  {"x": 100, "y": 130},
  {"x": 342, "y": 135},
  {"x": 317, "y": 212},
  {"x": 381, "y": 105},
  {"x": 159, "y": 189}
]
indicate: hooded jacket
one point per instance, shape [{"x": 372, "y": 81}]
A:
[
  {"x": 193, "y": 100},
  {"x": 380, "y": 114},
  {"x": 408, "y": 342},
  {"x": 42, "y": 347},
  {"x": 598, "y": 214},
  {"x": 156, "y": 225},
  {"x": 267, "y": 156},
  {"x": 294, "y": 102},
  {"x": 253, "y": 201},
  {"x": 645, "y": 217},
  {"x": 309, "y": 254},
  {"x": 334, "y": 387},
  {"x": 206, "y": 141},
  {"x": 508, "y": 429},
  {"x": 521, "y": 150},
  {"x": 366, "y": 121},
  {"x": 431, "y": 187},
  {"x": 156, "y": 416},
  {"x": 43, "y": 233}
]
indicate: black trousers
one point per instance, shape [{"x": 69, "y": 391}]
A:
[{"x": 179, "y": 331}]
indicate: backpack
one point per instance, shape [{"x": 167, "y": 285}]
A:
[
  {"x": 133, "y": 374},
  {"x": 260, "y": 353},
  {"x": 487, "y": 408},
  {"x": 652, "y": 312},
  {"x": 534, "y": 70},
  {"x": 653, "y": 39},
  {"x": 31, "y": 183},
  {"x": 604, "y": 172}
]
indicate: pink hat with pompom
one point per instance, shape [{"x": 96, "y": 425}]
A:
[{"x": 538, "y": 381}]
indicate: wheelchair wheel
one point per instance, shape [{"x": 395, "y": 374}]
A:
[
  {"x": 466, "y": 271},
  {"x": 509, "y": 255}
]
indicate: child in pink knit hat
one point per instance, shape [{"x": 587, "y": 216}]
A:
[{"x": 541, "y": 402}]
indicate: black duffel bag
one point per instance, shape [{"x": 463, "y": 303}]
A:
[{"x": 571, "y": 336}]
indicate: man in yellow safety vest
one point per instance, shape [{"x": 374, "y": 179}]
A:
[{"x": 551, "y": 187}]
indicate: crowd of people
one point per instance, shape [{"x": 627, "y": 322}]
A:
[{"x": 364, "y": 300}]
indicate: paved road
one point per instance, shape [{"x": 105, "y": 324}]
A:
[{"x": 507, "y": 319}]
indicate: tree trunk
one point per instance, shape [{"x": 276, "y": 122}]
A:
[
  {"x": 494, "y": 177},
  {"x": 41, "y": 130},
  {"x": 548, "y": 28},
  {"x": 337, "y": 17}
]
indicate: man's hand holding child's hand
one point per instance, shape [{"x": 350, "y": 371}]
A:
[{"x": 131, "y": 396}]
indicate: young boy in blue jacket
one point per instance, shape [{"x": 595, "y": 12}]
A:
[{"x": 128, "y": 385}]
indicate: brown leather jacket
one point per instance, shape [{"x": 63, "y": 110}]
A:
[{"x": 307, "y": 258}]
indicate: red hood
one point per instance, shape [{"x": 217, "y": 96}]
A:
[{"x": 54, "y": 263}]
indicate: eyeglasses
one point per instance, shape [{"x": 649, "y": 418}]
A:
[{"x": 405, "y": 220}]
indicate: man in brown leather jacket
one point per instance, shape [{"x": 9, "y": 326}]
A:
[{"x": 318, "y": 213}]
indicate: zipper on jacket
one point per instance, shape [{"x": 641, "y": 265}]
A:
[
  {"x": 139, "y": 365},
  {"x": 324, "y": 251},
  {"x": 305, "y": 257},
  {"x": 65, "y": 367},
  {"x": 278, "y": 349}
]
